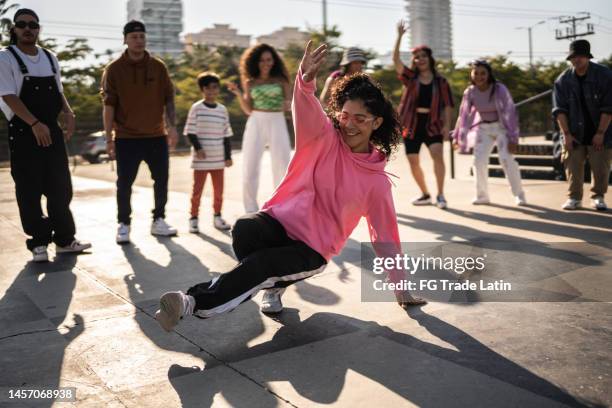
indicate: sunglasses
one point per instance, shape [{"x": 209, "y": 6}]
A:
[
  {"x": 32, "y": 25},
  {"x": 344, "y": 117}
]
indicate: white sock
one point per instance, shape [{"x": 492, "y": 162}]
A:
[{"x": 188, "y": 305}]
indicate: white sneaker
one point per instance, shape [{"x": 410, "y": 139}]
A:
[
  {"x": 425, "y": 199},
  {"x": 40, "y": 254},
  {"x": 572, "y": 204},
  {"x": 161, "y": 228},
  {"x": 193, "y": 225},
  {"x": 171, "y": 309},
  {"x": 481, "y": 201},
  {"x": 441, "y": 202},
  {"x": 271, "y": 302},
  {"x": 599, "y": 204},
  {"x": 220, "y": 223},
  {"x": 520, "y": 200},
  {"x": 75, "y": 246},
  {"x": 123, "y": 234}
]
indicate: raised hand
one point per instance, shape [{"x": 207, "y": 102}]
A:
[
  {"x": 402, "y": 27},
  {"x": 312, "y": 61}
]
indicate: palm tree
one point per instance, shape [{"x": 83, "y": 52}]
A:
[{"x": 5, "y": 23}]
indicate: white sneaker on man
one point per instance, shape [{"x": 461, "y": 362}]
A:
[
  {"x": 572, "y": 204},
  {"x": 520, "y": 200},
  {"x": 39, "y": 254},
  {"x": 193, "y": 225},
  {"x": 599, "y": 204},
  {"x": 161, "y": 228},
  {"x": 481, "y": 201},
  {"x": 75, "y": 246},
  {"x": 172, "y": 307},
  {"x": 123, "y": 233},
  {"x": 271, "y": 301},
  {"x": 220, "y": 223}
]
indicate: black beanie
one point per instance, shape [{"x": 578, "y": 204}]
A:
[
  {"x": 23, "y": 11},
  {"x": 133, "y": 26}
]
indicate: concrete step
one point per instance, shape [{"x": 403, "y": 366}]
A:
[
  {"x": 535, "y": 149},
  {"x": 539, "y": 161}
]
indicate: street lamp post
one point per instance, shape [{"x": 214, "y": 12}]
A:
[{"x": 529, "y": 28}]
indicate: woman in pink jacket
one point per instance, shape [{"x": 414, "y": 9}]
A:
[
  {"x": 335, "y": 177},
  {"x": 487, "y": 117}
]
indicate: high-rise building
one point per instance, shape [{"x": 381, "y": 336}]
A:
[
  {"x": 430, "y": 24},
  {"x": 219, "y": 35},
  {"x": 164, "y": 22}
]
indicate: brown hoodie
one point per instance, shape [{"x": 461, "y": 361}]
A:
[{"x": 138, "y": 90}]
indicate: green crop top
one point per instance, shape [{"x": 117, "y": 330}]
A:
[{"x": 268, "y": 97}]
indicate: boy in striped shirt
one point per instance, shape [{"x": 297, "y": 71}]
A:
[{"x": 208, "y": 129}]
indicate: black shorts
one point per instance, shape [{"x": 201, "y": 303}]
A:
[{"x": 413, "y": 146}]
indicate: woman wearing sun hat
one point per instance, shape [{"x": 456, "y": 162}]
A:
[{"x": 353, "y": 61}]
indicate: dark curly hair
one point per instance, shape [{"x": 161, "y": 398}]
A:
[
  {"x": 360, "y": 86},
  {"x": 249, "y": 63}
]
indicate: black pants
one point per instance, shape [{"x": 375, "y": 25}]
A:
[
  {"x": 129, "y": 154},
  {"x": 39, "y": 171},
  {"x": 267, "y": 258}
]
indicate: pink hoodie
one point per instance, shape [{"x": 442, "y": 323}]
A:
[{"x": 328, "y": 188}]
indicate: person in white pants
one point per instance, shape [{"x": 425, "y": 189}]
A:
[
  {"x": 265, "y": 98},
  {"x": 488, "y": 118}
]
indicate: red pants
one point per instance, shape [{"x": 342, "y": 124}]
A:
[{"x": 199, "y": 177}]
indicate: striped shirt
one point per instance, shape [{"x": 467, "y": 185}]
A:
[
  {"x": 441, "y": 98},
  {"x": 211, "y": 126}
]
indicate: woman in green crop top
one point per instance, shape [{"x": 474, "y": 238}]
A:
[{"x": 266, "y": 97}]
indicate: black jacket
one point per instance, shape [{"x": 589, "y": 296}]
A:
[{"x": 597, "y": 88}]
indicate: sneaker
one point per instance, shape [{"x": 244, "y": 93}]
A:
[
  {"x": 572, "y": 204},
  {"x": 171, "y": 310},
  {"x": 193, "y": 225},
  {"x": 39, "y": 254},
  {"x": 271, "y": 302},
  {"x": 75, "y": 246},
  {"x": 425, "y": 199},
  {"x": 161, "y": 228},
  {"x": 441, "y": 202},
  {"x": 481, "y": 201},
  {"x": 520, "y": 200},
  {"x": 599, "y": 204},
  {"x": 220, "y": 223},
  {"x": 123, "y": 233}
]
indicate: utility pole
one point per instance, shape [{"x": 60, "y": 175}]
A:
[
  {"x": 325, "y": 18},
  {"x": 530, "y": 40},
  {"x": 570, "y": 32}
]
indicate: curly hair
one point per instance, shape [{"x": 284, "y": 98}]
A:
[
  {"x": 249, "y": 63},
  {"x": 360, "y": 86}
]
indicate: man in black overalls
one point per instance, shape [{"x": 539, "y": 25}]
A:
[{"x": 39, "y": 164}]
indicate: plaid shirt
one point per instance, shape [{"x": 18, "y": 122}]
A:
[{"x": 441, "y": 97}]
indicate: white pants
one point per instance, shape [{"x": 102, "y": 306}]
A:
[
  {"x": 263, "y": 128},
  {"x": 490, "y": 134}
]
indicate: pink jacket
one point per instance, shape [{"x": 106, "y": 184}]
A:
[
  {"x": 466, "y": 128},
  {"x": 328, "y": 188}
]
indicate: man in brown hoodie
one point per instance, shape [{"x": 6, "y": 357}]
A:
[{"x": 137, "y": 92}]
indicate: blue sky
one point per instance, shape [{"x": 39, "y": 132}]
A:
[{"x": 480, "y": 27}]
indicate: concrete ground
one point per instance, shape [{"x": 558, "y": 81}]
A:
[{"x": 87, "y": 321}]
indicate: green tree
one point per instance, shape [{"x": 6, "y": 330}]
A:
[
  {"x": 606, "y": 61},
  {"x": 5, "y": 23}
]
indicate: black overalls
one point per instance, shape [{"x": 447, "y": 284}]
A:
[{"x": 38, "y": 170}]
